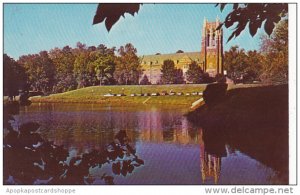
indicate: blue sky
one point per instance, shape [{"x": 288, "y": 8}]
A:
[{"x": 163, "y": 28}]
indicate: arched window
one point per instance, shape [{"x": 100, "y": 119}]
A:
[{"x": 208, "y": 36}]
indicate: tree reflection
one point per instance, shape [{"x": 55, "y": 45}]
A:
[{"x": 31, "y": 159}]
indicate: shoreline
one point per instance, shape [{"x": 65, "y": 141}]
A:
[
  {"x": 95, "y": 94},
  {"x": 144, "y": 100}
]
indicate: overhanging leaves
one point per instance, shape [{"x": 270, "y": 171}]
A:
[
  {"x": 111, "y": 12},
  {"x": 254, "y": 14}
]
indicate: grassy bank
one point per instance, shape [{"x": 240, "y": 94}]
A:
[{"x": 96, "y": 94}]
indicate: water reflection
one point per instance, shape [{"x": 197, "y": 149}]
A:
[
  {"x": 175, "y": 151},
  {"x": 85, "y": 128},
  {"x": 210, "y": 158},
  {"x": 218, "y": 145}
]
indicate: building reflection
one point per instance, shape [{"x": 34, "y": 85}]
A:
[
  {"x": 158, "y": 127},
  {"x": 150, "y": 125},
  {"x": 212, "y": 149},
  {"x": 87, "y": 130}
]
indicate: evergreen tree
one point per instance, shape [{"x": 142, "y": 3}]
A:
[
  {"x": 168, "y": 72},
  {"x": 194, "y": 74},
  {"x": 145, "y": 81},
  {"x": 178, "y": 76}
]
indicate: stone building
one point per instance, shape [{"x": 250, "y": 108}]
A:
[
  {"x": 210, "y": 59},
  {"x": 212, "y": 48}
]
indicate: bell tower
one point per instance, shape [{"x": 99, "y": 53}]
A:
[{"x": 212, "y": 47}]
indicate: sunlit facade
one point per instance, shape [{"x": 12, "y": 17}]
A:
[{"x": 210, "y": 59}]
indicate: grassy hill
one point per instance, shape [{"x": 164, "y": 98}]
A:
[{"x": 96, "y": 94}]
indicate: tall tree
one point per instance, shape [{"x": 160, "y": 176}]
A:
[
  {"x": 14, "y": 77},
  {"x": 178, "y": 74},
  {"x": 235, "y": 62},
  {"x": 128, "y": 69},
  {"x": 41, "y": 71},
  {"x": 168, "y": 72},
  {"x": 81, "y": 46},
  {"x": 275, "y": 52},
  {"x": 254, "y": 66},
  {"x": 84, "y": 74},
  {"x": 194, "y": 74},
  {"x": 46, "y": 78},
  {"x": 103, "y": 62},
  {"x": 63, "y": 60},
  {"x": 243, "y": 66}
]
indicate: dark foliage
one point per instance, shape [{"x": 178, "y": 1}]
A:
[
  {"x": 253, "y": 14},
  {"x": 194, "y": 74},
  {"x": 145, "y": 81},
  {"x": 207, "y": 79},
  {"x": 178, "y": 76},
  {"x": 180, "y": 51},
  {"x": 14, "y": 77},
  {"x": 168, "y": 72},
  {"x": 111, "y": 12},
  {"x": 220, "y": 78},
  {"x": 28, "y": 158}
]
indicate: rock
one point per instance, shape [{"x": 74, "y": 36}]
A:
[{"x": 214, "y": 93}]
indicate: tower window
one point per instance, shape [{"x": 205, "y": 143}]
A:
[{"x": 208, "y": 38}]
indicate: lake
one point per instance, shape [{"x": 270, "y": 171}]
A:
[{"x": 173, "y": 150}]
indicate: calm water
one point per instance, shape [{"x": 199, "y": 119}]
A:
[{"x": 174, "y": 151}]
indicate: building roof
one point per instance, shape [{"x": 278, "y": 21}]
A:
[{"x": 159, "y": 59}]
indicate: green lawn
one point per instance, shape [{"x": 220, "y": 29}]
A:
[{"x": 95, "y": 94}]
